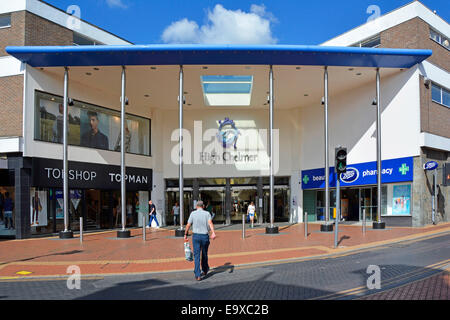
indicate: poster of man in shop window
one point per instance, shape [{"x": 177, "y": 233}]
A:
[{"x": 38, "y": 206}]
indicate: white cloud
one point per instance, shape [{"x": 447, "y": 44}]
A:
[
  {"x": 225, "y": 27},
  {"x": 116, "y": 4}
]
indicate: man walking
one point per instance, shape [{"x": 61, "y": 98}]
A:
[
  {"x": 152, "y": 214},
  {"x": 201, "y": 223},
  {"x": 176, "y": 213}
]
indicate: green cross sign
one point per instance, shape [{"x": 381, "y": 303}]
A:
[
  {"x": 403, "y": 169},
  {"x": 305, "y": 179}
]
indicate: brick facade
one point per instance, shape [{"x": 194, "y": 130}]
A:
[
  {"x": 434, "y": 118},
  {"x": 42, "y": 32},
  {"x": 415, "y": 34},
  {"x": 15, "y": 35},
  {"x": 11, "y": 102},
  {"x": 30, "y": 30}
]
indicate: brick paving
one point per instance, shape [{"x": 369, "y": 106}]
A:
[
  {"x": 436, "y": 287},
  {"x": 102, "y": 253}
]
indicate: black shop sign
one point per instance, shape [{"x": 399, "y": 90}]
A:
[{"x": 48, "y": 173}]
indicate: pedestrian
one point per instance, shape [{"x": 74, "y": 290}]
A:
[
  {"x": 251, "y": 212},
  {"x": 210, "y": 209},
  {"x": 152, "y": 215},
  {"x": 176, "y": 213},
  {"x": 201, "y": 223},
  {"x": 8, "y": 207}
]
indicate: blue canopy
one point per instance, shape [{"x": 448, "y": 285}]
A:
[{"x": 60, "y": 56}]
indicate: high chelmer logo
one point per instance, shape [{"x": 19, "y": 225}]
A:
[
  {"x": 350, "y": 176},
  {"x": 227, "y": 133}
]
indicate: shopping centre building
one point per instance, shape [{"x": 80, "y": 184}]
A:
[{"x": 226, "y": 123}]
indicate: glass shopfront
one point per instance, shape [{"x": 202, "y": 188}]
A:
[
  {"x": 94, "y": 195},
  {"x": 228, "y": 198}
]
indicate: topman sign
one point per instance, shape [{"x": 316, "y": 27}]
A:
[{"x": 49, "y": 173}]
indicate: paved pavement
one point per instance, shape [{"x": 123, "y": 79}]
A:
[
  {"x": 104, "y": 254},
  {"x": 411, "y": 269}
]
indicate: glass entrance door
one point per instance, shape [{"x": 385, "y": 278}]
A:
[
  {"x": 368, "y": 203},
  {"x": 241, "y": 196},
  {"x": 214, "y": 201}
]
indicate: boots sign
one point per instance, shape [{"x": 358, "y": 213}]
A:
[{"x": 48, "y": 173}]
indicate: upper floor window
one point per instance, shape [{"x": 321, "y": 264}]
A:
[
  {"x": 5, "y": 20},
  {"x": 372, "y": 42},
  {"x": 440, "y": 95},
  {"x": 439, "y": 38},
  {"x": 80, "y": 40}
]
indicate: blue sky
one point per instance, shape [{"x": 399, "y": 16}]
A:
[{"x": 207, "y": 21}]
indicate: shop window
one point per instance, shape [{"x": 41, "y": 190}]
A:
[
  {"x": 439, "y": 38},
  {"x": 89, "y": 126},
  {"x": 5, "y": 21},
  {"x": 440, "y": 95}
]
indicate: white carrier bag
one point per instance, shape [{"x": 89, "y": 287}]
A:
[{"x": 188, "y": 252}]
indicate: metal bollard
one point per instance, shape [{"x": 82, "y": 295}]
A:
[
  {"x": 144, "y": 234},
  {"x": 243, "y": 226},
  {"x": 81, "y": 229},
  {"x": 364, "y": 221},
  {"x": 306, "y": 225}
]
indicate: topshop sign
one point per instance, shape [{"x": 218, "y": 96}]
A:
[
  {"x": 49, "y": 173},
  {"x": 393, "y": 170}
]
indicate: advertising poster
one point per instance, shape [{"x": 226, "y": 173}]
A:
[
  {"x": 94, "y": 129},
  {"x": 59, "y": 204},
  {"x": 401, "y": 200},
  {"x": 75, "y": 198},
  {"x": 38, "y": 208},
  {"x": 51, "y": 118}
]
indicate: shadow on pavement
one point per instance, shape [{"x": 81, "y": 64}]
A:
[{"x": 46, "y": 255}]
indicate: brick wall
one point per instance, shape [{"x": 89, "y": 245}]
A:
[
  {"x": 415, "y": 34},
  {"x": 42, "y": 32},
  {"x": 11, "y": 102},
  {"x": 434, "y": 118},
  {"x": 15, "y": 35},
  {"x": 31, "y": 30}
]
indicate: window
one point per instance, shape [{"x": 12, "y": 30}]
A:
[
  {"x": 440, "y": 95},
  {"x": 227, "y": 90},
  {"x": 439, "y": 38},
  {"x": 81, "y": 40},
  {"x": 372, "y": 42},
  {"x": 5, "y": 20},
  {"x": 89, "y": 126}
]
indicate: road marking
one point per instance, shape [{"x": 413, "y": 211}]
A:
[{"x": 387, "y": 282}]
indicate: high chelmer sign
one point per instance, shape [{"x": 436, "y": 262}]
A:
[
  {"x": 393, "y": 170},
  {"x": 48, "y": 173}
]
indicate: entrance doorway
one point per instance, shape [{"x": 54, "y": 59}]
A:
[
  {"x": 241, "y": 198},
  {"x": 214, "y": 201},
  {"x": 350, "y": 204}
]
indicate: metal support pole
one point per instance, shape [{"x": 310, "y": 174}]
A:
[
  {"x": 327, "y": 226},
  {"x": 364, "y": 221},
  {"x": 243, "y": 226},
  {"x": 433, "y": 213},
  {"x": 180, "y": 232},
  {"x": 306, "y": 225},
  {"x": 338, "y": 209},
  {"x": 81, "y": 229},
  {"x": 378, "y": 224},
  {"x": 66, "y": 233},
  {"x": 272, "y": 228},
  {"x": 144, "y": 234},
  {"x": 123, "y": 193}
]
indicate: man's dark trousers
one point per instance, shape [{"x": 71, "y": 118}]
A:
[{"x": 201, "y": 244}]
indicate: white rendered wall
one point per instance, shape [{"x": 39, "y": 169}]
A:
[{"x": 352, "y": 122}]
